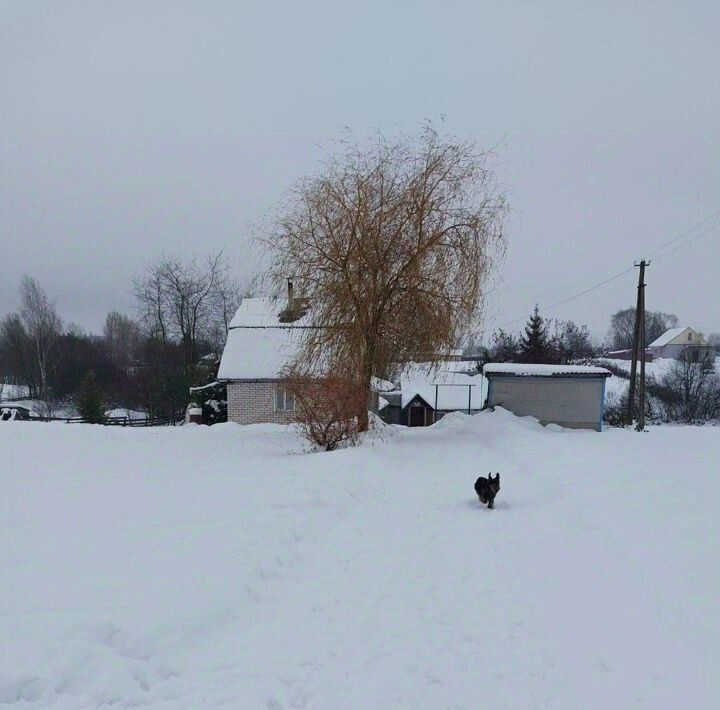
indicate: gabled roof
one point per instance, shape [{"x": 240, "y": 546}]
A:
[
  {"x": 670, "y": 335},
  {"x": 258, "y": 345},
  {"x": 666, "y": 337},
  {"x": 262, "y": 313}
]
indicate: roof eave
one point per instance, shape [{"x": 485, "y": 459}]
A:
[{"x": 556, "y": 375}]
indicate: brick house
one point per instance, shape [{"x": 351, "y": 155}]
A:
[{"x": 264, "y": 335}]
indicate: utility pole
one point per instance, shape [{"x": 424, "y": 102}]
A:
[
  {"x": 641, "y": 420},
  {"x": 639, "y": 328}
]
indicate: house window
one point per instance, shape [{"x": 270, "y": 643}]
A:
[
  {"x": 284, "y": 400},
  {"x": 689, "y": 337}
]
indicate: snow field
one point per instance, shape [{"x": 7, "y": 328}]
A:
[{"x": 220, "y": 567}]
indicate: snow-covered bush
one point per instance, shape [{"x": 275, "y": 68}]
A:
[
  {"x": 691, "y": 392},
  {"x": 212, "y": 399},
  {"x": 688, "y": 392}
]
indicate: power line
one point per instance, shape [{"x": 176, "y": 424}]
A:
[
  {"x": 631, "y": 268},
  {"x": 685, "y": 233},
  {"x": 683, "y": 244},
  {"x": 572, "y": 298}
]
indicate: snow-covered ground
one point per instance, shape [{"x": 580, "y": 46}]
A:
[
  {"x": 40, "y": 408},
  {"x": 12, "y": 392},
  {"x": 656, "y": 368},
  {"x": 199, "y": 567},
  {"x": 617, "y": 386},
  {"x": 124, "y": 412}
]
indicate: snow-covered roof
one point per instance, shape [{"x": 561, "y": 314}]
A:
[
  {"x": 415, "y": 380},
  {"x": 380, "y": 385},
  {"x": 528, "y": 370},
  {"x": 262, "y": 313},
  {"x": 258, "y": 345},
  {"x": 667, "y": 336}
]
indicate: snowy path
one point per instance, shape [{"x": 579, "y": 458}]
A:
[{"x": 212, "y": 568}]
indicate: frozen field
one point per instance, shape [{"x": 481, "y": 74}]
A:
[{"x": 219, "y": 567}]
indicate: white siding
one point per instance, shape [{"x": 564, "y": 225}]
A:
[{"x": 569, "y": 402}]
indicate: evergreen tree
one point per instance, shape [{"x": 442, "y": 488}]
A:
[
  {"x": 534, "y": 345},
  {"x": 90, "y": 404}
]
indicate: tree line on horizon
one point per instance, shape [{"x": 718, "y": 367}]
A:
[
  {"x": 146, "y": 362},
  {"x": 554, "y": 341},
  {"x": 151, "y": 361}
]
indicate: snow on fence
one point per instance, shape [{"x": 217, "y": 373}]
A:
[{"x": 173, "y": 420}]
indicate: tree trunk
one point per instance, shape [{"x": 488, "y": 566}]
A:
[{"x": 363, "y": 418}]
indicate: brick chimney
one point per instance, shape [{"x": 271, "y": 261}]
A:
[{"x": 295, "y": 309}]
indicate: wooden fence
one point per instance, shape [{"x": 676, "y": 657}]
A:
[{"x": 173, "y": 420}]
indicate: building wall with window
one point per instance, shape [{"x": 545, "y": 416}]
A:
[
  {"x": 682, "y": 343},
  {"x": 266, "y": 401},
  {"x": 693, "y": 353},
  {"x": 258, "y": 402}
]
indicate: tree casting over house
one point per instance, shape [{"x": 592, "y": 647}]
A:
[{"x": 392, "y": 244}]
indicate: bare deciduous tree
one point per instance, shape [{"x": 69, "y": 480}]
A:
[
  {"x": 392, "y": 245},
  {"x": 122, "y": 339},
  {"x": 326, "y": 410},
  {"x": 187, "y": 301},
  {"x": 622, "y": 327},
  {"x": 505, "y": 346},
  {"x": 694, "y": 389},
  {"x": 571, "y": 342},
  {"x": 43, "y": 327},
  {"x": 15, "y": 363}
]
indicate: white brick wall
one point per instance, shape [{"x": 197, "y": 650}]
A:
[{"x": 253, "y": 403}]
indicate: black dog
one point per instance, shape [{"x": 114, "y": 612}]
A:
[{"x": 487, "y": 489}]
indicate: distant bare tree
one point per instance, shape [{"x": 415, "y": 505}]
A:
[
  {"x": 505, "y": 346},
  {"x": 694, "y": 391},
  {"x": 571, "y": 342},
  {"x": 43, "y": 327},
  {"x": 122, "y": 340},
  {"x": 186, "y": 301},
  {"x": 622, "y": 326},
  {"x": 393, "y": 246},
  {"x": 15, "y": 361},
  {"x": 657, "y": 322}
]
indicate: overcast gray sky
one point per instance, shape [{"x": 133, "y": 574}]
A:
[{"x": 132, "y": 128}]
